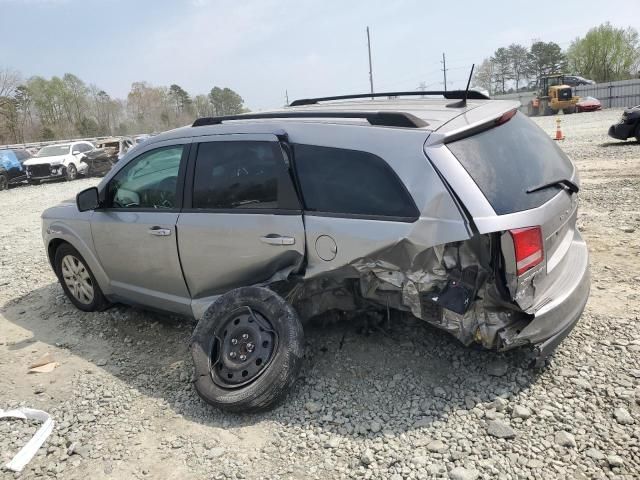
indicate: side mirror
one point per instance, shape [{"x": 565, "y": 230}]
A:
[
  {"x": 88, "y": 199},
  {"x": 76, "y": 152}
]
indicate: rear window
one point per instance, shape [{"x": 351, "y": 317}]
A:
[
  {"x": 510, "y": 159},
  {"x": 350, "y": 182}
]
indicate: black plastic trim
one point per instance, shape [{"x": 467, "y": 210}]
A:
[
  {"x": 449, "y": 94},
  {"x": 382, "y": 119}
]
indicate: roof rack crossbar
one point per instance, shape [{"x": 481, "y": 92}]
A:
[
  {"x": 384, "y": 119},
  {"x": 449, "y": 94}
]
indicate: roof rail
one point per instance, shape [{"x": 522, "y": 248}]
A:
[
  {"x": 384, "y": 119},
  {"x": 449, "y": 94}
]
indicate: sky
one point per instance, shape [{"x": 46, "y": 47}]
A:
[{"x": 263, "y": 48}]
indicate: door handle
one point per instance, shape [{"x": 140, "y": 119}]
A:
[
  {"x": 274, "y": 239},
  {"x": 159, "y": 231}
]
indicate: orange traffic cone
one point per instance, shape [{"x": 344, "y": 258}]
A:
[{"x": 559, "y": 134}]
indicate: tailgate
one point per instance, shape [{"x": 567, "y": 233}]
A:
[{"x": 514, "y": 180}]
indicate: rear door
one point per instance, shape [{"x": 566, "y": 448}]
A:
[{"x": 242, "y": 221}]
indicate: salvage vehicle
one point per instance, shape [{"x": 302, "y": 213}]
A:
[
  {"x": 588, "y": 104},
  {"x": 628, "y": 126},
  {"x": 462, "y": 214},
  {"x": 12, "y": 170},
  {"x": 106, "y": 155},
  {"x": 65, "y": 160}
]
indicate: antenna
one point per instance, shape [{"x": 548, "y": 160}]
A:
[{"x": 463, "y": 102}]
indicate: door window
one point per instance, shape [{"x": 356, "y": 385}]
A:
[
  {"x": 148, "y": 181},
  {"x": 238, "y": 175},
  {"x": 350, "y": 182}
]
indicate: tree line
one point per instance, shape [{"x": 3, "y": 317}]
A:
[
  {"x": 604, "y": 54},
  {"x": 38, "y": 108}
]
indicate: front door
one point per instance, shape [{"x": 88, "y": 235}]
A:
[
  {"x": 242, "y": 222},
  {"x": 134, "y": 234}
]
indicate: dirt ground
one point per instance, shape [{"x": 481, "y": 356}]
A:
[{"x": 408, "y": 402}]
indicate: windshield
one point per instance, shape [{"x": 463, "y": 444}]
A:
[
  {"x": 53, "y": 150},
  {"x": 508, "y": 160}
]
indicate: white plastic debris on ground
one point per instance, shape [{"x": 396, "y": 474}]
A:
[{"x": 27, "y": 452}]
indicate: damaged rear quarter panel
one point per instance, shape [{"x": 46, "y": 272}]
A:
[{"x": 401, "y": 264}]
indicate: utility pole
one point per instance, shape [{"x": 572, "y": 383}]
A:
[
  {"x": 370, "y": 68},
  {"x": 286, "y": 96},
  {"x": 444, "y": 70}
]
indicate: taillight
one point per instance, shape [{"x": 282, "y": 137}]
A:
[
  {"x": 528, "y": 247},
  {"x": 506, "y": 117}
]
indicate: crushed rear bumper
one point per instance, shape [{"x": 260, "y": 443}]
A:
[{"x": 556, "y": 315}]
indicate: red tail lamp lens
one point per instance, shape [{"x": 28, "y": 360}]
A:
[{"x": 528, "y": 247}]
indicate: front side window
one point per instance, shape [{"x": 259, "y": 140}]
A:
[
  {"x": 350, "y": 182},
  {"x": 148, "y": 181},
  {"x": 237, "y": 175}
]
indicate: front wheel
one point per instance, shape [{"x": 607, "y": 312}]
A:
[
  {"x": 4, "y": 181},
  {"x": 77, "y": 280},
  {"x": 72, "y": 172},
  {"x": 638, "y": 132},
  {"x": 247, "y": 350}
]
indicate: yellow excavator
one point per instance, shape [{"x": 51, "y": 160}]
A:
[{"x": 554, "y": 95}]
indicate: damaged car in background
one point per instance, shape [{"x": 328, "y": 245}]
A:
[
  {"x": 628, "y": 126},
  {"x": 462, "y": 214},
  {"x": 107, "y": 153}
]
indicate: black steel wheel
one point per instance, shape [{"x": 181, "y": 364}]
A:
[
  {"x": 243, "y": 348},
  {"x": 247, "y": 350}
]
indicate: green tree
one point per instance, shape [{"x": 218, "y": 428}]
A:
[
  {"x": 520, "y": 63},
  {"x": 502, "y": 71},
  {"x": 606, "y": 53},
  {"x": 546, "y": 58},
  {"x": 181, "y": 99},
  {"x": 226, "y": 101}
]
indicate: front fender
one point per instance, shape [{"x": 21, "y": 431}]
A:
[{"x": 78, "y": 234}]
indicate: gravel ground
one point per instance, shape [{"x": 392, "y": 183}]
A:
[{"x": 405, "y": 403}]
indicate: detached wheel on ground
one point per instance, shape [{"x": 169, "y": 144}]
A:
[
  {"x": 77, "y": 280},
  {"x": 247, "y": 350},
  {"x": 4, "y": 181},
  {"x": 72, "y": 172}
]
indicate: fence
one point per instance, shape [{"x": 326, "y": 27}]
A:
[{"x": 621, "y": 94}]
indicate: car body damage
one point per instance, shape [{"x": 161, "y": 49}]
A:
[{"x": 453, "y": 287}]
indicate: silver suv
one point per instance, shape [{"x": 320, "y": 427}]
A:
[{"x": 462, "y": 214}]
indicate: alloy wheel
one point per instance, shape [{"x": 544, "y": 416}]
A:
[{"x": 77, "y": 279}]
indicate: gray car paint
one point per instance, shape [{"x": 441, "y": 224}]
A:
[{"x": 358, "y": 242}]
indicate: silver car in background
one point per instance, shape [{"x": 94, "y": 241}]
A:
[{"x": 462, "y": 214}]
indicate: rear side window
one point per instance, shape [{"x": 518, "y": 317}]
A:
[
  {"x": 237, "y": 175},
  {"x": 510, "y": 159},
  {"x": 350, "y": 182}
]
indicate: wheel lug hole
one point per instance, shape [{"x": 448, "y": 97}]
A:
[
  {"x": 245, "y": 336},
  {"x": 234, "y": 341}
]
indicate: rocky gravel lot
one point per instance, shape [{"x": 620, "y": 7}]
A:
[{"x": 404, "y": 403}]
